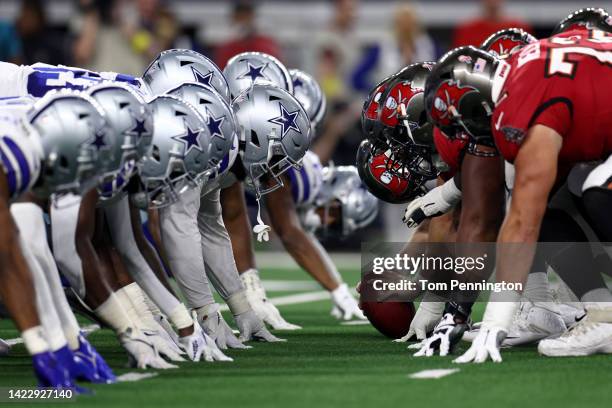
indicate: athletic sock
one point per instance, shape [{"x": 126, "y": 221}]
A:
[{"x": 34, "y": 340}]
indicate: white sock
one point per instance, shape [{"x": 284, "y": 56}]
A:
[
  {"x": 35, "y": 340},
  {"x": 114, "y": 314},
  {"x": 537, "y": 289},
  {"x": 132, "y": 298}
]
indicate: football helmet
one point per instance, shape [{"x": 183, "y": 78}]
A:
[
  {"x": 357, "y": 206},
  {"x": 180, "y": 153},
  {"x": 129, "y": 119},
  {"x": 76, "y": 141},
  {"x": 220, "y": 119},
  {"x": 376, "y": 170},
  {"x": 458, "y": 94},
  {"x": 274, "y": 134},
  {"x": 505, "y": 42},
  {"x": 370, "y": 112},
  {"x": 173, "y": 67},
  {"x": 244, "y": 70},
  {"x": 586, "y": 18},
  {"x": 308, "y": 92}
]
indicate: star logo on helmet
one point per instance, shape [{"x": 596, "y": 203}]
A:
[
  {"x": 98, "y": 142},
  {"x": 254, "y": 72},
  {"x": 190, "y": 139},
  {"x": 286, "y": 120},
  {"x": 204, "y": 79},
  {"x": 297, "y": 82},
  {"x": 139, "y": 129},
  {"x": 214, "y": 124}
]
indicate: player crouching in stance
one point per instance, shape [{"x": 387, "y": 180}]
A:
[{"x": 47, "y": 150}]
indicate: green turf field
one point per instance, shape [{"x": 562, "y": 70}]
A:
[{"x": 330, "y": 365}]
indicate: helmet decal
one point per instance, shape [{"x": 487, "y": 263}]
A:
[
  {"x": 98, "y": 141},
  {"x": 204, "y": 79},
  {"x": 448, "y": 95},
  {"x": 253, "y": 72},
  {"x": 286, "y": 120},
  {"x": 505, "y": 45},
  {"x": 140, "y": 129},
  {"x": 190, "y": 139},
  {"x": 214, "y": 124},
  {"x": 401, "y": 93},
  {"x": 380, "y": 170}
]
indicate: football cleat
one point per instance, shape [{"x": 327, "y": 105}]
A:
[
  {"x": 532, "y": 323},
  {"x": 50, "y": 372},
  {"x": 5, "y": 348},
  {"x": 78, "y": 368},
  {"x": 589, "y": 336},
  {"x": 87, "y": 352}
]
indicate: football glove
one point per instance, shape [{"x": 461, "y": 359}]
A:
[
  {"x": 164, "y": 345},
  {"x": 141, "y": 352},
  {"x": 345, "y": 305},
  {"x": 485, "y": 345},
  {"x": 425, "y": 319},
  {"x": 199, "y": 343},
  {"x": 436, "y": 202},
  {"x": 217, "y": 329},
  {"x": 252, "y": 327},
  {"x": 446, "y": 335}
]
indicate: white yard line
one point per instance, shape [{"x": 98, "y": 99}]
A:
[
  {"x": 433, "y": 374},
  {"x": 281, "y": 259},
  {"x": 285, "y": 285},
  {"x": 295, "y": 299}
]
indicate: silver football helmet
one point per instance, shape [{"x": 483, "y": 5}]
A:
[
  {"x": 171, "y": 68},
  {"x": 129, "y": 119},
  {"x": 76, "y": 140},
  {"x": 357, "y": 206},
  {"x": 274, "y": 134},
  {"x": 308, "y": 92},
  {"x": 244, "y": 70},
  {"x": 180, "y": 154},
  {"x": 220, "y": 119}
]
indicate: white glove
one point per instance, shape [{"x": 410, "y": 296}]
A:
[
  {"x": 446, "y": 334},
  {"x": 263, "y": 308},
  {"x": 436, "y": 202},
  {"x": 171, "y": 334},
  {"x": 141, "y": 351},
  {"x": 425, "y": 319},
  {"x": 485, "y": 345},
  {"x": 163, "y": 344},
  {"x": 252, "y": 327},
  {"x": 215, "y": 327},
  {"x": 345, "y": 305},
  {"x": 199, "y": 343}
]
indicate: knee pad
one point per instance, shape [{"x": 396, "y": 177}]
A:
[{"x": 559, "y": 226}]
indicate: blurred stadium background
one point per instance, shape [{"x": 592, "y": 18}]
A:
[{"x": 348, "y": 45}]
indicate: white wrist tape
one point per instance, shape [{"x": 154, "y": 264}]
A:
[
  {"x": 180, "y": 317},
  {"x": 113, "y": 313},
  {"x": 450, "y": 193},
  {"x": 238, "y": 303},
  {"x": 139, "y": 312},
  {"x": 499, "y": 314}
]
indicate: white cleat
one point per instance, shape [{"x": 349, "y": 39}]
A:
[
  {"x": 532, "y": 323},
  {"x": 585, "y": 338}
]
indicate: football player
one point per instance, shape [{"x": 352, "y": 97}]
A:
[{"x": 543, "y": 138}]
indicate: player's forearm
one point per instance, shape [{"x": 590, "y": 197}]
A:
[
  {"x": 309, "y": 256},
  {"x": 239, "y": 229}
]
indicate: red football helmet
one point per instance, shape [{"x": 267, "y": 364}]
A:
[
  {"x": 505, "y": 42},
  {"x": 585, "y": 19}
]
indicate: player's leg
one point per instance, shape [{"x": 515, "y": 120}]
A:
[
  {"x": 238, "y": 226},
  {"x": 221, "y": 269}
]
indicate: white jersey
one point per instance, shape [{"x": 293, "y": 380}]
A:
[
  {"x": 20, "y": 150},
  {"x": 306, "y": 182},
  {"x": 38, "y": 79}
]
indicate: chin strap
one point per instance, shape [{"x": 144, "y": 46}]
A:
[{"x": 262, "y": 230}]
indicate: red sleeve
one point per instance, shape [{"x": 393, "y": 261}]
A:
[{"x": 556, "y": 113}]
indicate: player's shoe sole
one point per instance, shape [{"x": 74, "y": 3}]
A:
[{"x": 598, "y": 340}]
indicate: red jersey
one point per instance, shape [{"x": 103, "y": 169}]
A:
[
  {"x": 450, "y": 151},
  {"x": 563, "y": 82}
]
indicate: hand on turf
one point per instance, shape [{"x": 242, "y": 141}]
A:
[
  {"x": 164, "y": 345},
  {"x": 141, "y": 351},
  {"x": 216, "y": 328},
  {"x": 485, "y": 345},
  {"x": 252, "y": 327},
  {"x": 198, "y": 344},
  {"x": 430, "y": 205},
  {"x": 424, "y": 321},
  {"x": 345, "y": 305},
  {"x": 446, "y": 335},
  {"x": 267, "y": 312}
]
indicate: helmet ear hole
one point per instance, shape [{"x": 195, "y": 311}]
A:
[
  {"x": 255, "y": 138},
  {"x": 63, "y": 162},
  {"x": 155, "y": 153}
]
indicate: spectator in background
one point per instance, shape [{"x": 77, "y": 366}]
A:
[
  {"x": 40, "y": 42},
  {"x": 245, "y": 34},
  {"x": 410, "y": 43},
  {"x": 123, "y": 35},
  {"x": 492, "y": 19},
  {"x": 10, "y": 44}
]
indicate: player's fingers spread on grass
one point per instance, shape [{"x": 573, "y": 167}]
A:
[
  {"x": 466, "y": 357},
  {"x": 265, "y": 335},
  {"x": 406, "y": 337},
  {"x": 416, "y": 346}
]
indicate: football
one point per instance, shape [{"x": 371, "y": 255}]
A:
[{"x": 390, "y": 318}]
